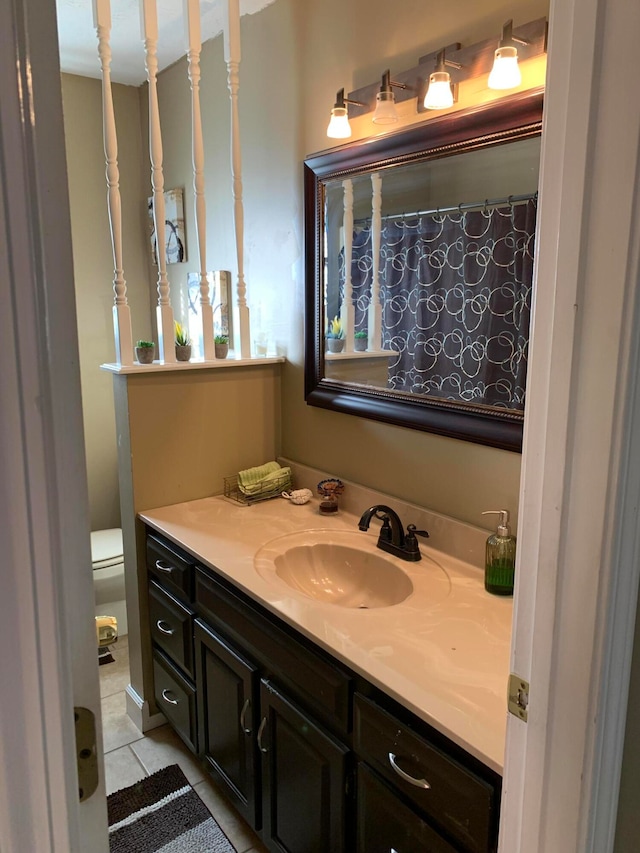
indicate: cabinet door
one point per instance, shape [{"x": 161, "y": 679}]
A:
[
  {"x": 304, "y": 779},
  {"x": 387, "y": 825},
  {"x": 227, "y": 688}
]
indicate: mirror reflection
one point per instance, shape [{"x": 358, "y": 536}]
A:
[{"x": 427, "y": 274}]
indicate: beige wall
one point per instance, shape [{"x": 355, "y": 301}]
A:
[
  {"x": 295, "y": 56},
  {"x": 180, "y": 434},
  {"x": 93, "y": 268}
]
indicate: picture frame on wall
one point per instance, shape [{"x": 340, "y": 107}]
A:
[{"x": 175, "y": 243}]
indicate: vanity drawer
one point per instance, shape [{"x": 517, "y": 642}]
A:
[
  {"x": 461, "y": 803},
  {"x": 176, "y": 698},
  {"x": 171, "y": 627},
  {"x": 386, "y": 824},
  {"x": 317, "y": 683},
  {"x": 170, "y": 567}
]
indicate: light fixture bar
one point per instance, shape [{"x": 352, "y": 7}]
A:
[{"x": 465, "y": 63}]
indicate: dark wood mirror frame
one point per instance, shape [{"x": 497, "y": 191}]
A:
[{"x": 511, "y": 118}]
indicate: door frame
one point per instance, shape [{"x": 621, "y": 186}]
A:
[
  {"x": 575, "y": 603},
  {"x": 47, "y": 628}
]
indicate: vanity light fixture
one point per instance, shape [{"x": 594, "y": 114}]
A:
[
  {"x": 470, "y": 62},
  {"x": 505, "y": 73},
  {"x": 385, "y": 112},
  {"x": 339, "y": 127},
  {"x": 440, "y": 93}
]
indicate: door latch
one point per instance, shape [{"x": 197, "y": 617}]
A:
[
  {"x": 86, "y": 752},
  {"x": 518, "y": 697}
]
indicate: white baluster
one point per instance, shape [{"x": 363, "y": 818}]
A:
[
  {"x": 375, "y": 308},
  {"x": 194, "y": 46},
  {"x": 232, "y": 58},
  {"x": 347, "y": 312},
  {"x": 121, "y": 310},
  {"x": 166, "y": 335}
]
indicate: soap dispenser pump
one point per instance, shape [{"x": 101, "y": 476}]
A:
[{"x": 500, "y": 561}]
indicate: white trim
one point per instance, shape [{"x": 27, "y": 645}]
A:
[
  {"x": 619, "y": 620},
  {"x": 138, "y": 711},
  {"x": 159, "y": 367},
  {"x": 571, "y": 464}
]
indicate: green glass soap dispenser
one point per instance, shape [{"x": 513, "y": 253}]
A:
[{"x": 500, "y": 560}]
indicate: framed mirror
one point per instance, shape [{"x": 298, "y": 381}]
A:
[{"x": 419, "y": 267}]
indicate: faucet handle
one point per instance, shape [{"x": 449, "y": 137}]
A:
[{"x": 410, "y": 542}]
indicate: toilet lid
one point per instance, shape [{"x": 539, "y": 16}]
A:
[{"x": 106, "y": 548}]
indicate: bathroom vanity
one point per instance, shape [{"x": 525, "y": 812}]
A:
[{"x": 331, "y": 728}]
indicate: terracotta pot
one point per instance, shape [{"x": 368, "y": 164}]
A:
[
  {"x": 222, "y": 350},
  {"x": 360, "y": 344},
  {"x": 335, "y": 344},
  {"x": 145, "y": 354},
  {"x": 183, "y": 353}
]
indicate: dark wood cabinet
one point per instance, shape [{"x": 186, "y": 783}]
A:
[
  {"x": 452, "y": 797},
  {"x": 227, "y": 711},
  {"x": 176, "y": 698},
  {"x": 303, "y": 780},
  {"x": 315, "y": 758},
  {"x": 385, "y": 823}
]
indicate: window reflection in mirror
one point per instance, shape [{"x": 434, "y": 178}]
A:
[{"x": 440, "y": 275}]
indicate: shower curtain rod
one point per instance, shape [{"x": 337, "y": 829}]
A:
[{"x": 461, "y": 208}]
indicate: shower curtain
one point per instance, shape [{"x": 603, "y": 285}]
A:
[{"x": 455, "y": 290}]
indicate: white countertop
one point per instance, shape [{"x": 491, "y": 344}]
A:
[{"x": 443, "y": 652}]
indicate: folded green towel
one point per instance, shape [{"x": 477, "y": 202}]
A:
[{"x": 263, "y": 478}]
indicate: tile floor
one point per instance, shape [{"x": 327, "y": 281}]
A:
[{"x": 130, "y": 755}]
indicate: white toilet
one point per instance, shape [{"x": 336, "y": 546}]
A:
[{"x": 108, "y": 575}]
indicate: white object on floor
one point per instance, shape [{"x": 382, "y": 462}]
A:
[{"x": 108, "y": 575}]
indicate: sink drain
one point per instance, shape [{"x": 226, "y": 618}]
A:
[{"x": 363, "y": 607}]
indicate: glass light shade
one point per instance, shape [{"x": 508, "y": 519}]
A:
[
  {"x": 439, "y": 95},
  {"x": 339, "y": 127},
  {"x": 505, "y": 73},
  {"x": 385, "y": 112}
]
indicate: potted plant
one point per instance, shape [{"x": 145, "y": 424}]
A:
[
  {"x": 221, "y": 344},
  {"x": 145, "y": 351},
  {"x": 335, "y": 335},
  {"x": 360, "y": 341},
  {"x": 183, "y": 342}
]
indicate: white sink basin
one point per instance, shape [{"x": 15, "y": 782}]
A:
[{"x": 335, "y": 567}]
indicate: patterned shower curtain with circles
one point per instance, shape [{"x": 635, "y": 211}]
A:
[{"x": 455, "y": 290}]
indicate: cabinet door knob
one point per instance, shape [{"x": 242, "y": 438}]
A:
[
  {"x": 260, "y": 732},
  {"x": 165, "y": 630},
  {"x": 419, "y": 783},
  {"x": 167, "y": 698},
  {"x": 243, "y": 715},
  {"x": 161, "y": 568}
]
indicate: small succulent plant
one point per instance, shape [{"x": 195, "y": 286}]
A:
[
  {"x": 335, "y": 329},
  {"x": 361, "y": 336},
  {"x": 182, "y": 335},
  {"x": 145, "y": 344},
  {"x": 221, "y": 339}
]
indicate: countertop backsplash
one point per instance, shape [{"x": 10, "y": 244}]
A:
[{"x": 462, "y": 541}]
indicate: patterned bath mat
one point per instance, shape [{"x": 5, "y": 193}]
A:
[{"x": 163, "y": 814}]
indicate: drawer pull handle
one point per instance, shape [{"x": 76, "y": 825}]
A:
[
  {"x": 419, "y": 783},
  {"x": 260, "y": 732},
  {"x": 167, "y": 697},
  {"x": 161, "y": 627},
  {"x": 243, "y": 716},
  {"x": 161, "y": 568}
]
